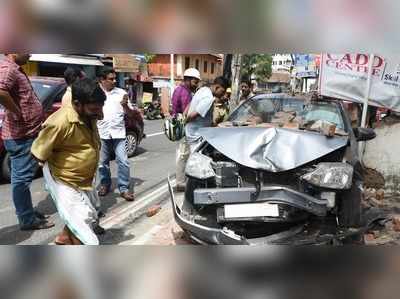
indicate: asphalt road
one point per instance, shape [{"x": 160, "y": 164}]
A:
[{"x": 150, "y": 167}]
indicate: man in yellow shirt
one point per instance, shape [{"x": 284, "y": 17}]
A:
[{"x": 69, "y": 148}]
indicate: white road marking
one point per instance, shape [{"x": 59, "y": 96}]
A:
[
  {"x": 154, "y": 134},
  {"x": 129, "y": 209}
]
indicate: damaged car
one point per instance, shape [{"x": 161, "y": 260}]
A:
[{"x": 282, "y": 170}]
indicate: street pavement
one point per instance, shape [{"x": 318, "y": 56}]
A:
[
  {"x": 160, "y": 229},
  {"x": 150, "y": 167}
]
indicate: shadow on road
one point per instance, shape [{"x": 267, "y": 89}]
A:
[
  {"x": 11, "y": 235},
  {"x": 110, "y": 200},
  {"x": 140, "y": 151},
  {"x": 47, "y": 206},
  {"x": 115, "y": 236}
]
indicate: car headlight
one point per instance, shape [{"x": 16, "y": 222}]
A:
[
  {"x": 331, "y": 176},
  {"x": 199, "y": 166}
]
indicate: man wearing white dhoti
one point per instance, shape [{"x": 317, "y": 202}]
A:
[{"x": 69, "y": 148}]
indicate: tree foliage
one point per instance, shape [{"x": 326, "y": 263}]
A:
[
  {"x": 149, "y": 57},
  {"x": 257, "y": 65}
]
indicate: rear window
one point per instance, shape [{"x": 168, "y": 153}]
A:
[{"x": 42, "y": 90}]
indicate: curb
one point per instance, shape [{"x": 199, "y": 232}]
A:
[{"x": 128, "y": 214}]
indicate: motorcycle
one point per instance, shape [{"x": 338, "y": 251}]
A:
[{"x": 152, "y": 110}]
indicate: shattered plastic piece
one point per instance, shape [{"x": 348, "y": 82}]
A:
[{"x": 153, "y": 210}]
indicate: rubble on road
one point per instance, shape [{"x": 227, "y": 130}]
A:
[
  {"x": 396, "y": 223},
  {"x": 324, "y": 127},
  {"x": 373, "y": 179},
  {"x": 153, "y": 210},
  {"x": 387, "y": 231},
  {"x": 380, "y": 194}
]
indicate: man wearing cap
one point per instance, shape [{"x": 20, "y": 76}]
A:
[
  {"x": 180, "y": 101},
  {"x": 183, "y": 93}
]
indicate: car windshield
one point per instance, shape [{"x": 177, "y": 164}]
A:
[
  {"x": 323, "y": 111},
  {"x": 42, "y": 90},
  {"x": 264, "y": 110},
  {"x": 283, "y": 111}
]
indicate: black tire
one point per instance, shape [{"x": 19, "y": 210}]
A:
[
  {"x": 150, "y": 116},
  {"x": 131, "y": 144},
  {"x": 6, "y": 168},
  {"x": 149, "y": 112},
  {"x": 350, "y": 207}
]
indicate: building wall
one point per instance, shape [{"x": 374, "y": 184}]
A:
[
  {"x": 281, "y": 62},
  {"x": 160, "y": 66},
  {"x": 381, "y": 154},
  {"x": 206, "y": 74}
]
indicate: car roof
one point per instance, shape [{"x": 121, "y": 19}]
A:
[
  {"x": 278, "y": 96},
  {"x": 48, "y": 80},
  {"x": 303, "y": 98}
]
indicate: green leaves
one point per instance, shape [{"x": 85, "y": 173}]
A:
[
  {"x": 258, "y": 65},
  {"x": 149, "y": 57}
]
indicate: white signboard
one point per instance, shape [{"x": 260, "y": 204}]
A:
[
  {"x": 161, "y": 84},
  {"x": 344, "y": 76}
]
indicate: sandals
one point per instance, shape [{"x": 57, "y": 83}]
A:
[{"x": 63, "y": 241}]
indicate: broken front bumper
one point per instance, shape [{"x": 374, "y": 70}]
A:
[
  {"x": 200, "y": 233},
  {"x": 207, "y": 235},
  {"x": 272, "y": 194},
  {"x": 303, "y": 234}
]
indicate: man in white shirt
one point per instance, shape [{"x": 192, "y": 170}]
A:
[
  {"x": 199, "y": 115},
  {"x": 200, "y": 111},
  {"x": 113, "y": 136}
]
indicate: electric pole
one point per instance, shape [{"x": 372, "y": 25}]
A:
[{"x": 236, "y": 67}]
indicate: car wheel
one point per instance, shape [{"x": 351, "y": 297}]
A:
[
  {"x": 6, "y": 168},
  {"x": 131, "y": 144},
  {"x": 150, "y": 116}
]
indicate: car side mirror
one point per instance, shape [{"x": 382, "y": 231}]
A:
[{"x": 364, "y": 134}]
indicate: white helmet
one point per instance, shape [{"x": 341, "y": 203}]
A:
[{"x": 193, "y": 73}]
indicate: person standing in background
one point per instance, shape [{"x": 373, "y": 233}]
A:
[
  {"x": 199, "y": 115},
  {"x": 245, "y": 91},
  {"x": 182, "y": 95},
  {"x": 71, "y": 74},
  {"x": 180, "y": 102},
  {"x": 113, "y": 136},
  {"x": 23, "y": 119}
]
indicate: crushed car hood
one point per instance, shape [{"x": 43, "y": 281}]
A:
[{"x": 271, "y": 149}]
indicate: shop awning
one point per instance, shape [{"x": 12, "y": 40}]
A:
[{"x": 66, "y": 59}]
